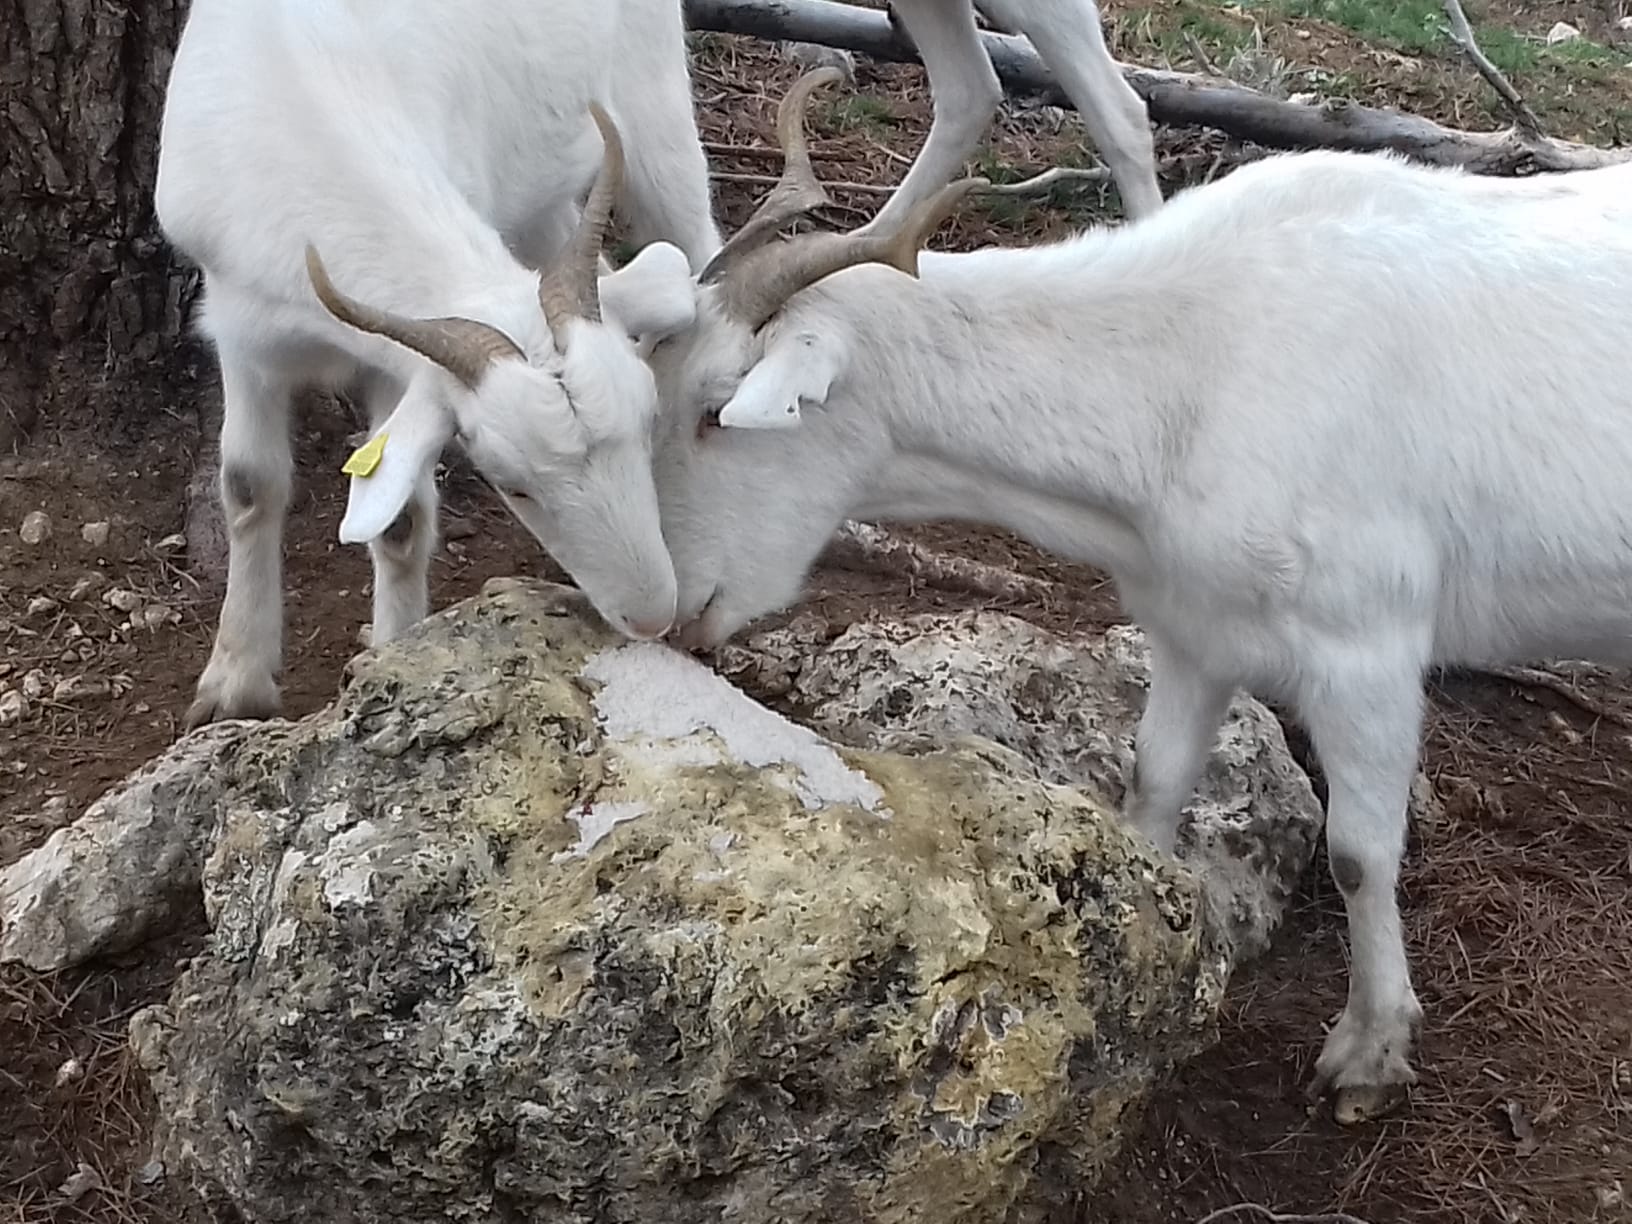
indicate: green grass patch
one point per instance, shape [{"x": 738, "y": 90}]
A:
[{"x": 857, "y": 113}]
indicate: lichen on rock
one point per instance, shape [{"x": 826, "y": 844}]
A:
[
  {"x": 1069, "y": 706},
  {"x": 535, "y": 924}
]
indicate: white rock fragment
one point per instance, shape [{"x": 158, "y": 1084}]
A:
[
  {"x": 40, "y": 606},
  {"x": 156, "y": 616},
  {"x": 123, "y": 600},
  {"x": 1562, "y": 32},
  {"x": 171, "y": 545},
  {"x": 36, "y": 684},
  {"x": 96, "y": 534},
  {"x": 36, "y": 528},
  {"x": 595, "y": 821},
  {"x": 71, "y": 1071},
  {"x": 649, "y": 692},
  {"x": 87, "y": 586},
  {"x": 13, "y": 708},
  {"x": 76, "y": 689},
  {"x": 80, "y": 1183}
]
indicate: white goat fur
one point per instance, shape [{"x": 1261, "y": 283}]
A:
[
  {"x": 965, "y": 92},
  {"x": 435, "y": 153},
  {"x": 1328, "y": 421}
]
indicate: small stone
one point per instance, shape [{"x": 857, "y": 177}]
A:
[
  {"x": 36, "y": 528},
  {"x": 171, "y": 545},
  {"x": 87, "y": 586},
  {"x": 82, "y": 1182},
  {"x": 457, "y": 528},
  {"x": 96, "y": 534},
  {"x": 1612, "y": 1195},
  {"x": 155, "y": 615},
  {"x": 123, "y": 600},
  {"x": 81, "y": 688},
  {"x": 365, "y": 635},
  {"x": 41, "y": 605},
  {"x": 13, "y": 707},
  {"x": 1562, "y": 32},
  {"x": 35, "y": 684},
  {"x": 56, "y": 806},
  {"x": 151, "y": 1173},
  {"x": 70, "y": 1071}
]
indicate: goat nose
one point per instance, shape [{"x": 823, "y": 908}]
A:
[{"x": 649, "y": 629}]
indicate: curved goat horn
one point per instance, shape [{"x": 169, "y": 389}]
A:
[
  {"x": 571, "y": 288},
  {"x": 462, "y": 347},
  {"x": 797, "y": 192},
  {"x": 761, "y": 284}
]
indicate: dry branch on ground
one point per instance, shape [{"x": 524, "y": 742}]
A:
[{"x": 1176, "y": 98}]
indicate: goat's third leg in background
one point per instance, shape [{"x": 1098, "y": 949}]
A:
[
  {"x": 1363, "y": 710},
  {"x": 964, "y": 90},
  {"x": 665, "y": 192},
  {"x": 402, "y": 553},
  {"x": 1069, "y": 39},
  {"x": 257, "y": 465},
  {"x": 1176, "y": 732}
]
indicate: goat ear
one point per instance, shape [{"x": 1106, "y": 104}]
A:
[
  {"x": 795, "y": 368},
  {"x": 653, "y": 296},
  {"x": 385, "y": 469}
]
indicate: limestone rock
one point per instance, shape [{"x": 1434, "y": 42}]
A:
[
  {"x": 534, "y": 924},
  {"x": 124, "y": 870},
  {"x": 1068, "y": 706}
]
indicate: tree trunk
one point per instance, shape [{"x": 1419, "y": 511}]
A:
[
  {"x": 1177, "y": 98},
  {"x": 89, "y": 296}
]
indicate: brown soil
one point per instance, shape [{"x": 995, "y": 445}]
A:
[{"x": 1518, "y": 902}]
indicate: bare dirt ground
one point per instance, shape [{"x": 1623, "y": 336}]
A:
[{"x": 1518, "y": 900}]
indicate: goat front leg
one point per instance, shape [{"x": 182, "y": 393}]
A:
[
  {"x": 965, "y": 92},
  {"x": 1069, "y": 38},
  {"x": 240, "y": 679},
  {"x": 1175, "y": 734},
  {"x": 1365, "y": 720},
  {"x": 402, "y": 553}
]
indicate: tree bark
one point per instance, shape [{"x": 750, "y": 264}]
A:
[
  {"x": 1177, "y": 98},
  {"x": 88, "y": 292}
]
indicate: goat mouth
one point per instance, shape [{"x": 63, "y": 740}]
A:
[{"x": 697, "y": 634}]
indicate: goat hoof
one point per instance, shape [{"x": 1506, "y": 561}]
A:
[
  {"x": 218, "y": 701},
  {"x": 1367, "y": 1102}
]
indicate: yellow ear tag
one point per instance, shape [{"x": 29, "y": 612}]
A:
[{"x": 366, "y": 457}]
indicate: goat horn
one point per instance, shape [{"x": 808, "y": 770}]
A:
[
  {"x": 797, "y": 192},
  {"x": 759, "y": 286},
  {"x": 571, "y": 289},
  {"x": 462, "y": 347}
]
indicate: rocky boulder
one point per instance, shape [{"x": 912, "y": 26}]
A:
[
  {"x": 1069, "y": 706},
  {"x": 536, "y": 924}
]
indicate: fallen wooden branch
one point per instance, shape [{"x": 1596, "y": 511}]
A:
[
  {"x": 1462, "y": 36},
  {"x": 1264, "y": 1215},
  {"x": 1535, "y": 677},
  {"x": 1176, "y": 98},
  {"x": 1039, "y": 184},
  {"x": 867, "y": 549}
]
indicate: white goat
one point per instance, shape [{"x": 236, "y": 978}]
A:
[
  {"x": 1327, "y": 422},
  {"x": 965, "y": 93},
  {"x": 434, "y": 153}
]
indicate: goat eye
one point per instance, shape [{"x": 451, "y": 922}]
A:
[{"x": 517, "y": 495}]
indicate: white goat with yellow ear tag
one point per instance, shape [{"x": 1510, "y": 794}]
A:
[{"x": 431, "y": 159}]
